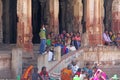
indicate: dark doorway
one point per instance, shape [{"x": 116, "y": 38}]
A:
[
  {"x": 36, "y": 20},
  {"x": 61, "y": 15},
  {"x": 9, "y": 18},
  {"x": 83, "y": 17},
  {"x": 108, "y": 14}
]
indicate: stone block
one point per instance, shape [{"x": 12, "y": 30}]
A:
[
  {"x": 16, "y": 62},
  {"x": 5, "y": 60},
  {"x": 57, "y": 51}
]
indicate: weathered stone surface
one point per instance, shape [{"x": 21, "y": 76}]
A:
[
  {"x": 16, "y": 62},
  {"x": 24, "y": 28},
  {"x": 5, "y": 66},
  {"x": 1, "y": 31},
  {"x": 116, "y": 16},
  {"x": 78, "y": 13},
  {"x": 54, "y": 12},
  {"x": 94, "y": 22}
]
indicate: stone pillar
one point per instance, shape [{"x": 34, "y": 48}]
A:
[
  {"x": 16, "y": 62},
  {"x": 54, "y": 12},
  {"x": 78, "y": 13},
  {"x": 116, "y": 16},
  {"x": 94, "y": 22},
  {"x": 24, "y": 27},
  {"x": 1, "y": 29},
  {"x": 57, "y": 53}
]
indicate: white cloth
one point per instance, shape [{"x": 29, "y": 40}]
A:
[
  {"x": 82, "y": 76},
  {"x": 106, "y": 37},
  {"x": 71, "y": 48},
  {"x": 75, "y": 68},
  {"x": 50, "y": 56}
]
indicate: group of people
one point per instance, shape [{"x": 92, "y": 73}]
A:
[
  {"x": 31, "y": 73},
  {"x": 71, "y": 41},
  {"x": 67, "y": 41},
  {"x": 109, "y": 38},
  {"x": 73, "y": 72}
]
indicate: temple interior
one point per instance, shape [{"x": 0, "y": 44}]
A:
[{"x": 21, "y": 21}]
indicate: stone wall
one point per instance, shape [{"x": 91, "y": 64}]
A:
[
  {"x": 5, "y": 66},
  {"x": 1, "y": 35},
  {"x": 106, "y": 57},
  {"x": 60, "y": 62}
]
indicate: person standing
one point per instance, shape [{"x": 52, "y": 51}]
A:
[
  {"x": 42, "y": 35},
  {"x": 118, "y": 40},
  {"x": 74, "y": 66}
]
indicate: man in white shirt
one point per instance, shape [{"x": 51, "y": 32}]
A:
[{"x": 74, "y": 66}]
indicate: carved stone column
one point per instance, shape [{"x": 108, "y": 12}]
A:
[
  {"x": 1, "y": 29},
  {"x": 54, "y": 12},
  {"x": 24, "y": 28},
  {"x": 94, "y": 22},
  {"x": 116, "y": 16},
  {"x": 78, "y": 12}
]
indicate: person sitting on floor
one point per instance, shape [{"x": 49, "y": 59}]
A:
[
  {"x": 77, "y": 41},
  {"x": 118, "y": 40},
  {"x": 44, "y": 74},
  {"x": 35, "y": 75},
  {"x": 106, "y": 38},
  {"x": 112, "y": 37}
]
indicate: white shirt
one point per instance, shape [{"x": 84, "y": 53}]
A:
[
  {"x": 50, "y": 56},
  {"x": 71, "y": 48},
  {"x": 106, "y": 37},
  {"x": 75, "y": 68},
  {"x": 82, "y": 76}
]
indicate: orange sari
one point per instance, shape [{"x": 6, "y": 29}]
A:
[
  {"x": 66, "y": 74},
  {"x": 27, "y": 73}
]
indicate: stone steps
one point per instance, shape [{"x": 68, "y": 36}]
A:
[{"x": 27, "y": 61}]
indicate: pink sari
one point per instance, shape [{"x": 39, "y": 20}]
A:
[{"x": 99, "y": 75}]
